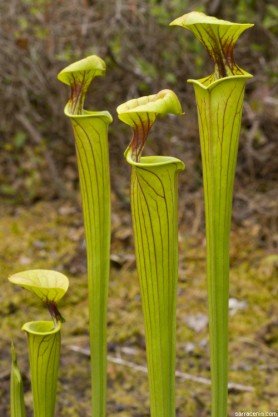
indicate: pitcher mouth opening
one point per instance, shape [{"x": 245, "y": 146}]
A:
[
  {"x": 88, "y": 113},
  {"x": 41, "y": 327},
  {"x": 209, "y": 82},
  {"x": 154, "y": 161}
]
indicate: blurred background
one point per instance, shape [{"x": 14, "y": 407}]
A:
[{"x": 41, "y": 219}]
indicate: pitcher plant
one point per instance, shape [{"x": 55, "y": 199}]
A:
[
  {"x": 219, "y": 98},
  {"x": 154, "y": 213},
  {"x": 91, "y": 139},
  {"x": 44, "y": 342}
]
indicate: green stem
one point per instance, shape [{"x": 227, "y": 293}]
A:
[{"x": 16, "y": 389}]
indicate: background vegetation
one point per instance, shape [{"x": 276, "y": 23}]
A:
[{"x": 41, "y": 220}]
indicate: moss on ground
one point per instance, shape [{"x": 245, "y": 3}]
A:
[{"x": 50, "y": 235}]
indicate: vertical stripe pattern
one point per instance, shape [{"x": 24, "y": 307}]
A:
[
  {"x": 219, "y": 115},
  {"x": 44, "y": 341},
  {"x": 154, "y": 212},
  {"x": 93, "y": 164}
]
